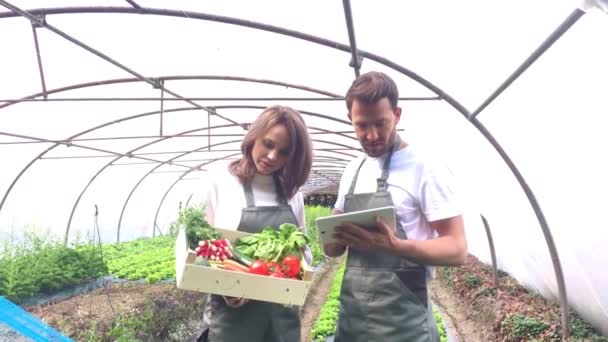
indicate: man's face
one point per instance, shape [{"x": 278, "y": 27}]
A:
[{"x": 375, "y": 125}]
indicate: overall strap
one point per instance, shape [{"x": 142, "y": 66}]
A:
[
  {"x": 351, "y": 190},
  {"x": 279, "y": 190},
  {"x": 249, "y": 195},
  {"x": 382, "y": 184}
]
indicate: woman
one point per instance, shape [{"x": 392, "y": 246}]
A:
[{"x": 256, "y": 191}]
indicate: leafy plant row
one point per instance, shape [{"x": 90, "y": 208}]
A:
[{"x": 41, "y": 264}]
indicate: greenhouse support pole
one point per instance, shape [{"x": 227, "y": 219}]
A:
[
  {"x": 169, "y": 161},
  {"x": 563, "y": 28},
  {"x": 182, "y": 176},
  {"x": 37, "y": 21},
  {"x": 355, "y": 59},
  {"x": 486, "y": 226},
  {"x": 39, "y": 59},
  {"x": 553, "y": 37},
  {"x": 557, "y": 266}
]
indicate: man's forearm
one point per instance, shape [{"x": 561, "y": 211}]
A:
[{"x": 445, "y": 250}]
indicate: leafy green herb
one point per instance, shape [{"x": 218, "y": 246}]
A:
[
  {"x": 273, "y": 245},
  {"x": 192, "y": 219}
]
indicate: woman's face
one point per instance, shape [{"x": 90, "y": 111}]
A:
[{"x": 270, "y": 151}]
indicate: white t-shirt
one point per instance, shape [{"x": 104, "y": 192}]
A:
[
  {"x": 422, "y": 191},
  {"x": 225, "y": 198}
]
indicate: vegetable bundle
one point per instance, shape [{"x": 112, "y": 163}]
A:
[{"x": 276, "y": 253}]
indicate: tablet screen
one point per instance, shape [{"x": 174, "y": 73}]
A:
[{"x": 365, "y": 218}]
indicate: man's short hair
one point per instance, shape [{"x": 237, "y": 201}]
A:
[{"x": 372, "y": 87}]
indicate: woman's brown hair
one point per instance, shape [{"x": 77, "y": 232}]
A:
[{"x": 299, "y": 161}]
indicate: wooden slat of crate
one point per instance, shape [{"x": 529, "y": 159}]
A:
[{"x": 236, "y": 284}]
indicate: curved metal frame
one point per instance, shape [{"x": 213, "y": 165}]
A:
[
  {"x": 335, "y": 45},
  {"x": 180, "y": 177},
  {"x": 174, "y": 78},
  {"x": 169, "y": 161},
  {"x": 130, "y": 152},
  {"x": 486, "y": 226},
  {"x": 128, "y": 80}
]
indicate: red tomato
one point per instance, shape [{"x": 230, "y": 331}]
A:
[
  {"x": 292, "y": 265},
  {"x": 258, "y": 267},
  {"x": 274, "y": 267},
  {"x": 277, "y": 274}
]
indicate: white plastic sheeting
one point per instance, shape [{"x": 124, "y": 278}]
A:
[{"x": 549, "y": 121}]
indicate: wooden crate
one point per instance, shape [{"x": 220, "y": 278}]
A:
[{"x": 236, "y": 284}]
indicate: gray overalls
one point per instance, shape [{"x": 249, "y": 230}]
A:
[
  {"x": 256, "y": 321},
  {"x": 384, "y": 297}
]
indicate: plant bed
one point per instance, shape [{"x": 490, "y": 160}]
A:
[
  {"x": 511, "y": 311},
  {"x": 128, "y": 312}
]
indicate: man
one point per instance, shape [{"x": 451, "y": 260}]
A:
[{"x": 384, "y": 291}]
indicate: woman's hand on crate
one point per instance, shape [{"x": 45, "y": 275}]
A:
[{"x": 235, "y": 302}]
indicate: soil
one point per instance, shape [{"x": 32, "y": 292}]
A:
[
  {"x": 479, "y": 310},
  {"x": 178, "y": 313},
  {"x": 473, "y": 309},
  {"x": 93, "y": 313},
  {"x": 458, "y": 321},
  {"x": 317, "y": 295}
]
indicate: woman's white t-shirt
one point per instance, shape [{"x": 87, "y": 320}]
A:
[{"x": 225, "y": 198}]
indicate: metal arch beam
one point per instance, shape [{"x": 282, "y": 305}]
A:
[
  {"x": 323, "y": 116},
  {"x": 168, "y": 162},
  {"x": 337, "y": 163},
  {"x": 555, "y": 35},
  {"x": 182, "y": 176},
  {"x": 175, "y": 78},
  {"x": 355, "y": 62},
  {"x": 486, "y": 226},
  {"x": 126, "y": 80},
  {"x": 39, "y": 59},
  {"x": 225, "y": 98},
  {"x": 154, "y": 83},
  {"x": 39, "y": 156},
  {"x": 70, "y": 144},
  {"x": 335, "y": 45},
  {"x": 254, "y": 25},
  {"x": 124, "y": 206},
  {"x": 185, "y": 173},
  {"x": 540, "y": 216},
  {"x": 67, "y": 230}
]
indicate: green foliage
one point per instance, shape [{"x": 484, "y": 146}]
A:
[
  {"x": 160, "y": 318},
  {"x": 502, "y": 274},
  {"x": 152, "y": 259},
  {"x": 581, "y": 330},
  {"x": 472, "y": 281},
  {"x": 193, "y": 221},
  {"x": 312, "y": 212},
  {"x": 43, "y": 264},
  {"x": 271, "y": 244},
  {"x": 446, "y": 272},
  {"x": 440, "y": 327},
  {"x": 521, "y": 326},
  {"x": 488, "y": 292},
  {"x": 326, "y": 323}
]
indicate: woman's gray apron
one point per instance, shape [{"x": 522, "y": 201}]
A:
[
  {"x": 255, "y": 321},
  {"x": 384, "y": 297}
]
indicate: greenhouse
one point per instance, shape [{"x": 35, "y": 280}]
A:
[{"x": 114, "y": 112}]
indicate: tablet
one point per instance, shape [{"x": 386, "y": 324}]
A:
[{"x": 365, "y": 218}]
